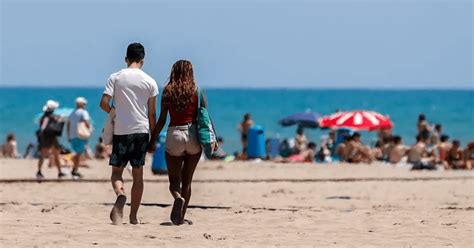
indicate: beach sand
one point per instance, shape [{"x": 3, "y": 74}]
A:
[{"x": 245, "y": 204}]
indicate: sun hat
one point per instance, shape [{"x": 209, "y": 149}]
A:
[
  {"x": 50, "y": 105},
  {"x": 81, "y": 100}
]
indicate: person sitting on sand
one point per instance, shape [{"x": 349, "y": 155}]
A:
[
  {"x": 182, "y": 149},
  {"x": 377, "y": 151},
  {"x": 101, "y": 151},
  {"x": 134, "y": 98},
  {"x": 341, "y": 150},
  {"x": 419, "y": 156},
  {"x": 9, "y": 149},
  {"x": 243, "y": 128},
  {"x": 469, "y": 156},
  {"x": 454, "y": 157},
  {"x": 356, "y": 151},
  {"x": 301, "y": 142},
  {"x": 305, "y": 156},
  {"x": 398, "y": 150}
]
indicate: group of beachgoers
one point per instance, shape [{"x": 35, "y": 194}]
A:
[
  {"x": 431, "y": 150},
  {"x": 129, "y": 99}
]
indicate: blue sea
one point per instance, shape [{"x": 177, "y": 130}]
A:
[{"x": 452, "y": 108}]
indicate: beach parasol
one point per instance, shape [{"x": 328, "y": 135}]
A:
[
  {"x": 64, "y": 112},
  {"x": 357, "y": 120},
  {"x": 307, "y": 119}
]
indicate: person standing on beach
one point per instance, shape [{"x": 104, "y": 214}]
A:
[
  {"x": 134, "y": 98},
  {"x": 48, "y": 138},
  {"x": 182, "y": 148},
  {"x": 244, "y": 127},
  {"x": 78, "y": 144}
]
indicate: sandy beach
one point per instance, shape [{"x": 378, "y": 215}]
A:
[{"x": 245, "y": 204}]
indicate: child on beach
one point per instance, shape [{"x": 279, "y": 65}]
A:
[
  {"x": 182, "y": 148},
  {"x": 9, "y": 149},
  {"x": 134, "y": 98}
]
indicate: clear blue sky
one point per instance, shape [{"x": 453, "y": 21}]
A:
[{"x": 332, "y": 43}]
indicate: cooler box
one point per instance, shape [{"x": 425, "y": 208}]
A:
[
  {"x": 158, "y": 165},
  {"x": 256, "y": 142}
]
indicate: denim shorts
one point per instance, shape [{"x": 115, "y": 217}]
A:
[{"x": 182, "y": 140}]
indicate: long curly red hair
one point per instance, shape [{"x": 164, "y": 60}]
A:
[{"x": 181, "y": 87}]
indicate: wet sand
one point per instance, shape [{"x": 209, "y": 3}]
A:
[{"x": 245, "y": 204}]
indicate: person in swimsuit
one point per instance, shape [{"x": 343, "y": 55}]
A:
[
  {"x": 244, "y": 127},
  {"x": 305, "y": 156},
  {"x": 454, "y": 157},
  {"x": 182, "y": 148},
  {"x": 469, "y": 156}
]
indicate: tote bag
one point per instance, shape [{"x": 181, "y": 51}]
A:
[{"x": 205, "y": 128}]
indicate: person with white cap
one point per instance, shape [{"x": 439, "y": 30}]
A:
[
  {"x": 50, "y": 129},
  {"x": 78, "y": 132}
]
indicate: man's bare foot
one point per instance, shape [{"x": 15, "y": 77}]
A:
[
  {"x": 116, "y": 214},
  {"x": 177, "y": 211}
]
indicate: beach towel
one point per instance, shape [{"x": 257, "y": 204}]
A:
[{"x": 108, "y": 130}]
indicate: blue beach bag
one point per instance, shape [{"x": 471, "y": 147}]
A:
[{"x": 205, "y": 128}]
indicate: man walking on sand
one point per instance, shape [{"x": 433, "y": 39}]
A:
[{"x": 134, "y": 98}]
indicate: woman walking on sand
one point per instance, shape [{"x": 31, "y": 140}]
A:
[{"x": 182, "y": 148}]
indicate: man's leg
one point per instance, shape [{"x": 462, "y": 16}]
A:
[
  {"x": 137, "y": 192},
  {"x": 116, "y": 214}
]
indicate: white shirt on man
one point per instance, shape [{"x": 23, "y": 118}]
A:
[{"x": 130, "y": 90}]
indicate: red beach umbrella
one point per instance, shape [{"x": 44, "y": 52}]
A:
[{"x": 357, "y": 120}]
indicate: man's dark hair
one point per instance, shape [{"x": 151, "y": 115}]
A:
[
  {"x": 220, "y": 139},
  {"x": 444, "y": 138},
  {"x": 312, "y": 145},
  {"x": 397, "y": 139},
  {"x": 356, "y": 134},
  {"x": 135, "y": 52},
  {"x": 456, "y": 143},
  {"x": 438, "y": 127}
]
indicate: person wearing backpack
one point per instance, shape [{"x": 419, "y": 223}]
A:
[
  {"x": 185, "y": 103},
  {"x": 78, "y": 133},
  {"x": 51, "y": 127}
]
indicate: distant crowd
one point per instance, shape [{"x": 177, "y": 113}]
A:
[{"x": 431, "y": 149}]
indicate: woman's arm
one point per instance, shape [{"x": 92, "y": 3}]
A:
[{"x": 159, "y": 126}]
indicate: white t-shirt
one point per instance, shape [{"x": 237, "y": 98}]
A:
[
  {"x": 74, "y": 118},
  {"x": 130, "y": 90}
]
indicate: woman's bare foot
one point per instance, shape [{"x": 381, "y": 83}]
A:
[
  {"x": 116, "y": 214},
  {"x": 177, "y": 211},
  {"x": 135, "y": 221}
]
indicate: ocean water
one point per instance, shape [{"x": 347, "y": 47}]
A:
[{"x": 452, "y": 108}]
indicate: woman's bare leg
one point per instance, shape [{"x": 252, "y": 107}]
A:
[
  {"x": 190, "y": 163},
  {"x": 175, "y": 165}
]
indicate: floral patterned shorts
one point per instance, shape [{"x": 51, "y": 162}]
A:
[{"x": 129, "y": 148}]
